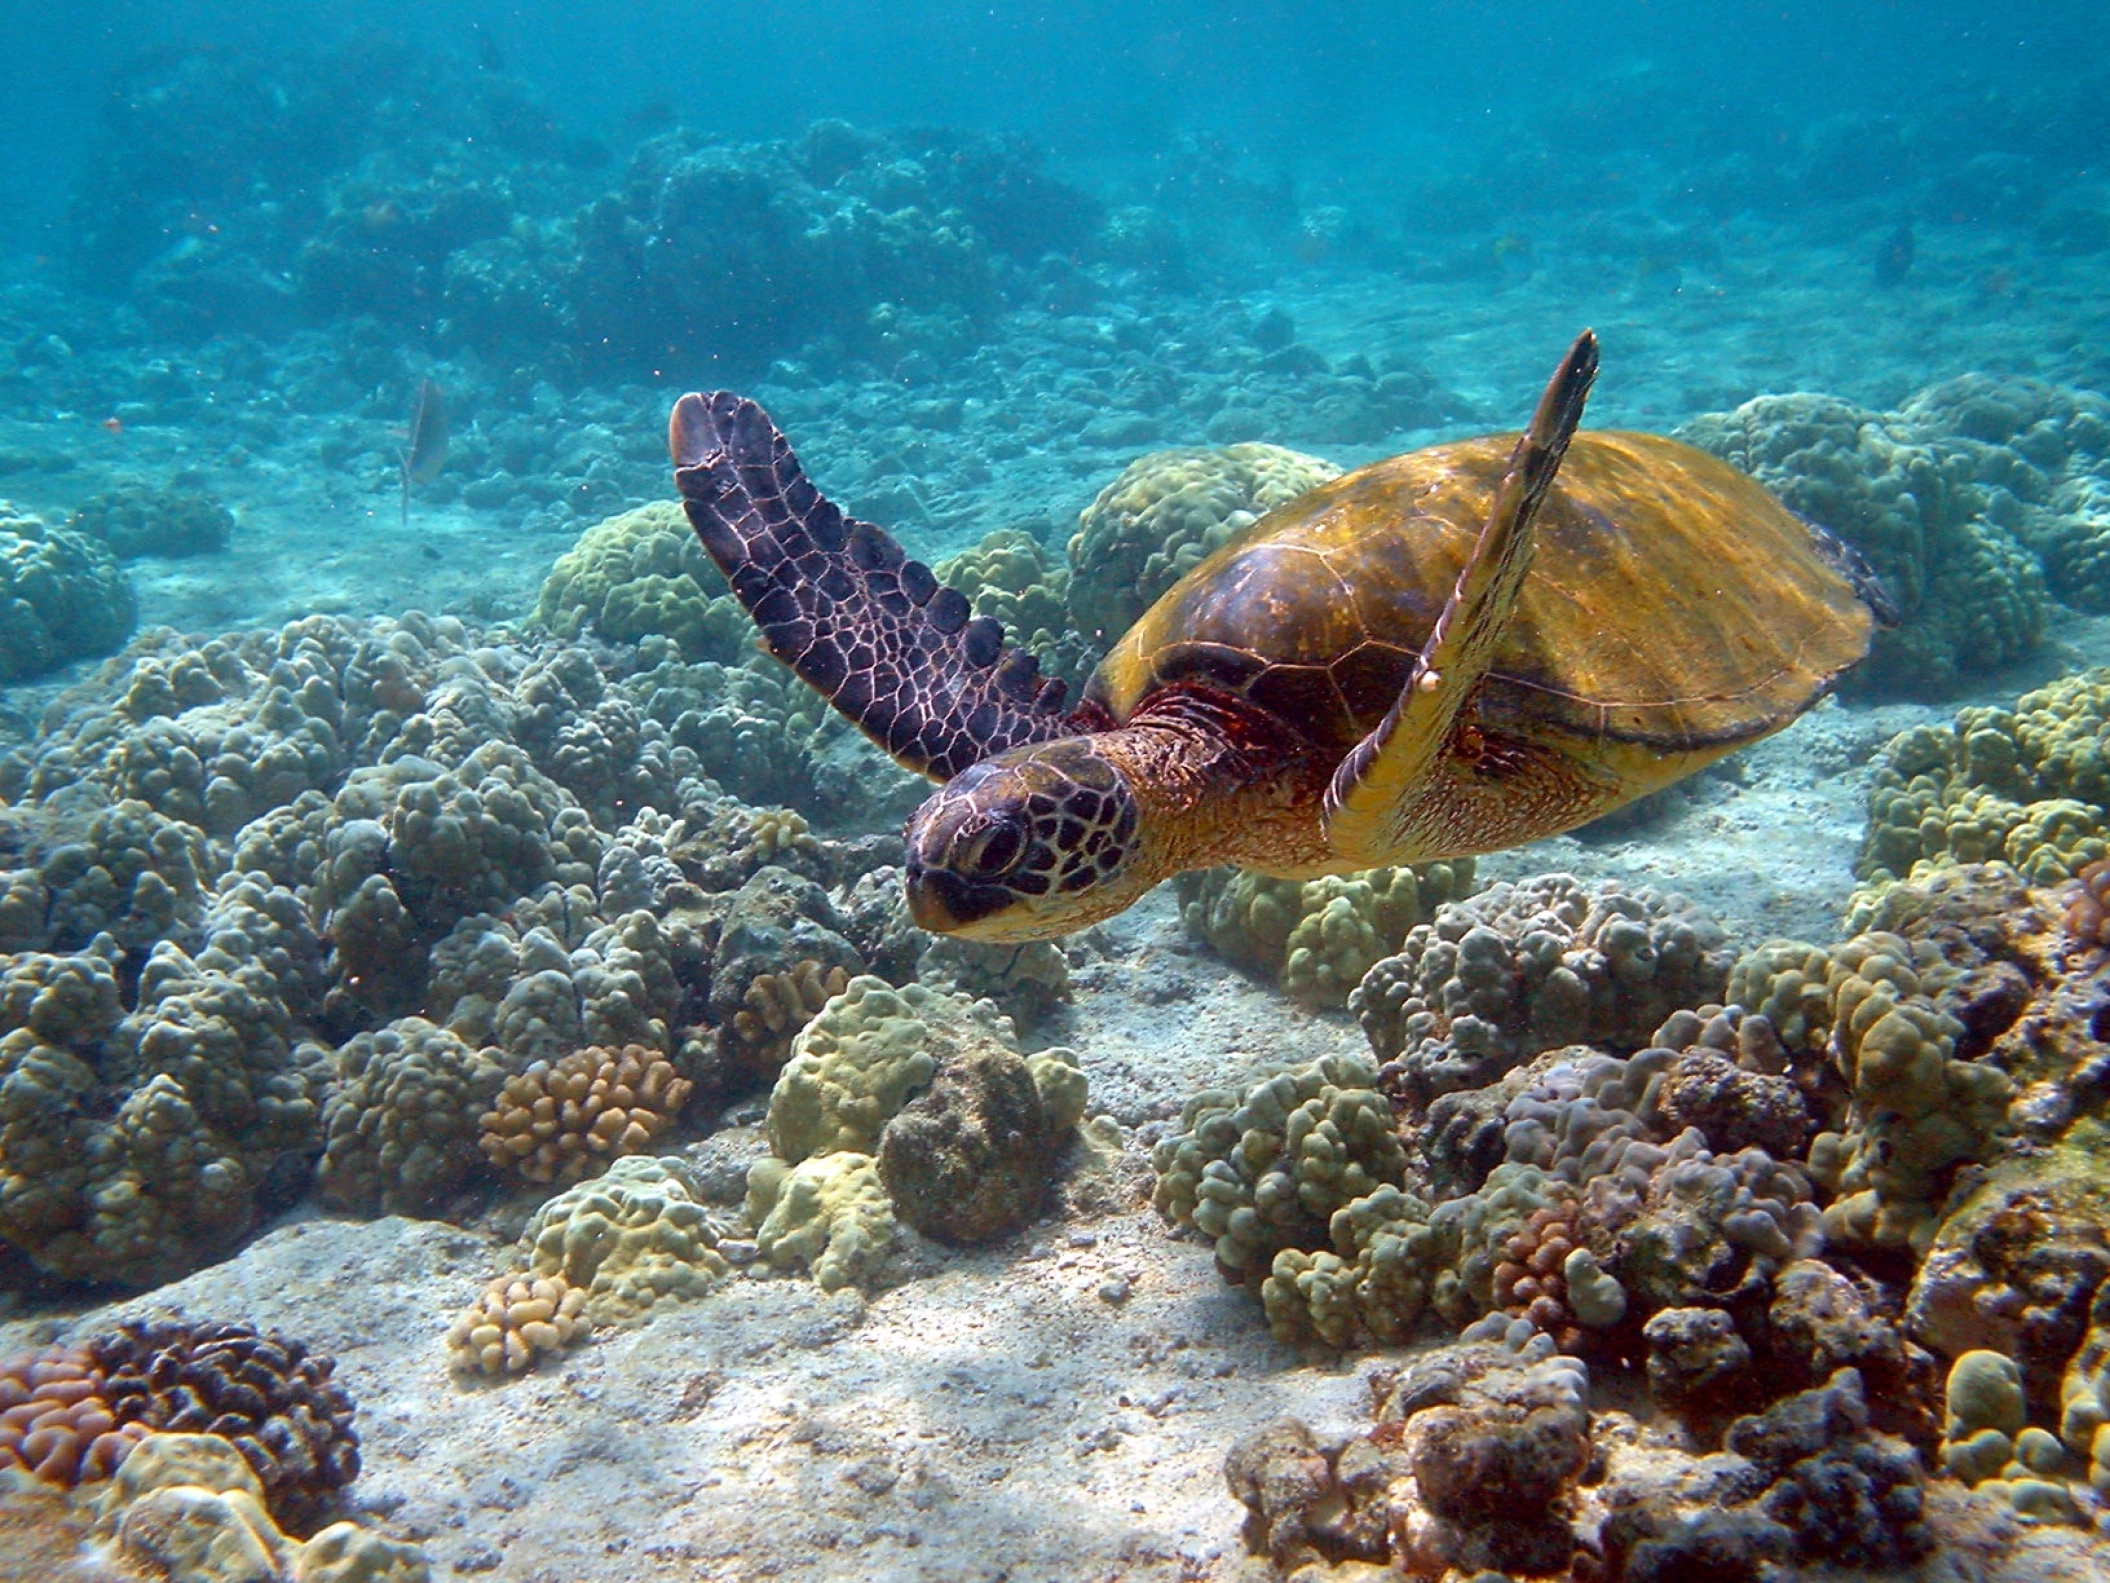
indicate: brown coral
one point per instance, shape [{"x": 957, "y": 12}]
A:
[
  {"x": 269, "y": 1395},
  {"x": 54, "y": 1420},
  {"x": 776, "y": 1006},
  {"x": 1530, "y": 1282},
  {"x": 2088, "y": 910},
  {"x": 565, "y": 1121},
  {"x": 519, "y": 1320}
]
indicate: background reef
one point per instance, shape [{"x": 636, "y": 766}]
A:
[{"x": 464, "y": 1061}]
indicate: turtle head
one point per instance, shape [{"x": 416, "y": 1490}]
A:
[{"x": 1027, "y": 845}]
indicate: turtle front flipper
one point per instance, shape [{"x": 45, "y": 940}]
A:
[
  {"x": 840, "y": 602},
  {"x": 1381, "y": 791}
]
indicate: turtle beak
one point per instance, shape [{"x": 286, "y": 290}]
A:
[{"x": 944, "y": 903}]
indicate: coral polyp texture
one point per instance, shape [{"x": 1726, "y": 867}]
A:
[
  {"x": 2026, "y": 785},
  {"x": 643, "y": 574},
  {"x": 1316, "y": 938},
  {"x": 78, "y": 1414},
  {"x": 634, "y": 1236},
  {"x": 558, "y": 1122},
  {"x": 1527, "y": 967},
  {"x": 62, "y": 597},
  {"x": 912, "y": 1103},
  {"x": 518, "y": 1321}
]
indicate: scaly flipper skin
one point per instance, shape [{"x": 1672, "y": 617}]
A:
[
  {"x": 840, "y": 603},
  {"x": 1377, "y": 796}
]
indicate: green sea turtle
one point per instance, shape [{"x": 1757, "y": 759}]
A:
[{"x": 1451, "y": 652}]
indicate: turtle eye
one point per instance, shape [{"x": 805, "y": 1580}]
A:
[{"x": 992, "y": 851}]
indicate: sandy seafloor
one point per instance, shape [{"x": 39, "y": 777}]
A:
[{"x": 1058, "y": 1406}]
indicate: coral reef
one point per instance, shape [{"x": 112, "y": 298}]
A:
[
  {"x": 1165, "y": 513},
  {"x": 268, "y": 1396},
  {"x": 2025, "y": 785},
  {"x": 643, "y": 574},
  {"x": 132, "y": 1144},
  {"x": 1526, "y": 967},
  {"x": 829, "y": 1213},
  {"x": 1316, "y": 938},
  {"x": 909, "y": 1102},
  {"x": 1264, "y": 1170},
  {"x": 189, "y": 1507},
  {"x": 1971, "y": 594},
  {"x": 136, "y": 519},
  {"x": 55, "y": 1422},
  {"x": 62, "y": 597},
  {"x": 1473, "y": 1463},
  {"x": 401, "y": 1126}
]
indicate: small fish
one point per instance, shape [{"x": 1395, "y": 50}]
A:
[
  {"x": 1894, "y": 257},
  {"x": 426, "y": 453}
]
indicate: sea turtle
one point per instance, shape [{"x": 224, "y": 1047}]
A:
[{"x": 1451, "y": 652}]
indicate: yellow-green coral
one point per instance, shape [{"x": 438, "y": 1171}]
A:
[
  {"x": 630, "y": 1237},
  {"x": 1165, "y": 513},
  {"x": 2030, "y": 785},
  {"x": 642, "y": 573},
  {"x": 1915, "y": 1112},
  {"x": 862, "y": 1057},
  {"x": 829, "y": 1212},
  {"x": 1316, "y": 937},
  {"x": 1264, "y": 1170}
]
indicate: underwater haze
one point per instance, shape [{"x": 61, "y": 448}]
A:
[{"x": 567, "y": 1013}]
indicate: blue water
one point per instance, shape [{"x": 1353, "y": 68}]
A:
[{"x": 328, "y": 329}]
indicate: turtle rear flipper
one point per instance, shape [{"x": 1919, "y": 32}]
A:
[
  {"x": 1378, "y": 792},
  {"x": 839, "y": 601}
]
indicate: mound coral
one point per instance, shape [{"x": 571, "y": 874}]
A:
[
  {"x": 137, "y": 519},
  {"x": 401, "y": 1124},
  {"x": 1165, "y": 513},
  {"x": 1970, "y": 592},
  {"x": 2026, "y": 785},
  {"x": 132, "y": 1145},
  {"x": 1317, "y": 938},
  {"x": 62, "y": 597},
  {"x": 1527, "y": 967},
  {"x": 1264, "y": 1170},
  {"x": 643, "y": 574},
  {"x": 907, "y": 1101},
  {"x": 634, "y": 1236}
]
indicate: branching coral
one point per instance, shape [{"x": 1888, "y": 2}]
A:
[{"x": 1527, "y": 967}]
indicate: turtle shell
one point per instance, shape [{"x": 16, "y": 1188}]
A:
[{"x": 1672, "y": 602}]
